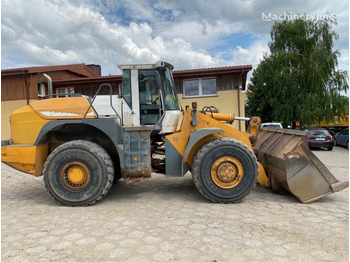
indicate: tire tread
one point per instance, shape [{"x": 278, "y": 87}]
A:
[
  {"x": 197, "y": 162},
  {"x": 93, "y": 148}
]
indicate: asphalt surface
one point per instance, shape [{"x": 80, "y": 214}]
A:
[{"x": 166, "y": 219}]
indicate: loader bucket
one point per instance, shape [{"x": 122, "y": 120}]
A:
[{"x": 292, "y": 167}]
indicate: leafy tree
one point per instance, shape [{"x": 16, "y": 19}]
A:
[{"x": 299, "y": 79}]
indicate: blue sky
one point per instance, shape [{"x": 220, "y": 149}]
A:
[{"x": 188, "y": 34}]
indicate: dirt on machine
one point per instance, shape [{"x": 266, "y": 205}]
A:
[{"x": 81, "y": 145}]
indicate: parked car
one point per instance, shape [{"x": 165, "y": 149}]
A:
[
  {"x": 271, "y": 125},
  {"x": 342, "y": 138},
  {"x": 320, "y": 137}
]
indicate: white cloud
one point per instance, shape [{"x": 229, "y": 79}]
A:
[
  {"x": 111, "y": 32},
  {"x": 72, "y": 35},
  {"x": 343, "y": 60},
  {"x": 201, "y": 35},
  {"x": 251, "y": 55}
]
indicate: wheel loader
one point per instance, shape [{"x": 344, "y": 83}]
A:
[{"x": 81, "y": 144}]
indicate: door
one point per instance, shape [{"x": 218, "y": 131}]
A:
[
  {"x": 343, "y": 137},
  {"x": 149, "y": 98}
]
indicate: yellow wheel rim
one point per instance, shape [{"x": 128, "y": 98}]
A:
[
  {"x": 227, "y": 172},
  {"x": 75, "y": 176}
]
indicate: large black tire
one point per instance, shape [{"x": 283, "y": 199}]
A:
[
  {"x": 78, "y": 173},
  {"x": 233, "y": 155}
]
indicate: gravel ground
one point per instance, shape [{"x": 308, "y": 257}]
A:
[{"x": 166, "y": 219}]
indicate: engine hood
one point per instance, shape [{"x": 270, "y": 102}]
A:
[{"x": 63, "y": 108}]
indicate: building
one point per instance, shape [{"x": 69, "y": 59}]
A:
[
  {"x": 220, "y": 87},
  {"x": 20, "y": 86}
]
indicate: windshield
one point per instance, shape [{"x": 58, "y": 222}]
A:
[
  {"x": 319, "y": 132},
  {"x": 170, "y": 97},
  {"x": 272, "y": 126}
]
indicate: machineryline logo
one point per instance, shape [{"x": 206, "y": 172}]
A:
[{"x": 267, "y": 17}]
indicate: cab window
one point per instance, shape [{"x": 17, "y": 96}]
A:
[
  {"x": 126, "y": 87},
  {"x": 149, "y": 98}
]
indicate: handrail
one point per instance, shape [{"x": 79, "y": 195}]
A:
[
  {"x": 110, "y": 100},
  {"x": 62, "y": 95}
]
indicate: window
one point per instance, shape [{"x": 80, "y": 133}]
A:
[
  {"x": 149, "y": 97},
  {"x": 64, "y": 92},
  {"x": 41, "y": 90},
  {"x": 319, "y": 132},
  {"x": 345, "y": 132},
  {"x": 170, "y": 97},
  {"x": 126, "y": 87},
  {"x": 200, "y": 87}
]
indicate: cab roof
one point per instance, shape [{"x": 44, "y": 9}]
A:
[{"x": 147, "y": 66}]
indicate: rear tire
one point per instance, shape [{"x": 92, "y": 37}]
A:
[
  {"x": 224, "y": 170},
  {"x": 330, "y": 148},
  {"x": 78, "y": 173}
]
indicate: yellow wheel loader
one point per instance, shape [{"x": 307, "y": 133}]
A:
[{"x": 80, "y": 145}]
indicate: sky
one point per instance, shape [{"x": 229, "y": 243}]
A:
[{"x": 188, "y": 34}]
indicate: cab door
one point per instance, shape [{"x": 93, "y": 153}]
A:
[{"x": 150, "y": 104}]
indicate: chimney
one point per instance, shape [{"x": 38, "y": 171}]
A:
[{"x": 95, "y": 68}]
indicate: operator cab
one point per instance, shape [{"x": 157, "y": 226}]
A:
[{"x": 149, "y": 96}]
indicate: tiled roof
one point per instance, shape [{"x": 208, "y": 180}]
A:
[
  {"x": 90, "y": 79},
  {"x": 43, "y": 69},
  {"x": 227, "y": 69},
  {"x": 215, "y": 69}
]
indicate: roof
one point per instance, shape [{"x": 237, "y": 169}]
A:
[
  {"x": 90, "y": 79},
  {"x": 215, "y": 70},
  {"x": 44, "y": 69},
  {"x": 177, "y": 73}
]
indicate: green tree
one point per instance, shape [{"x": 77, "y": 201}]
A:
[{"x": 299, "y": 79}]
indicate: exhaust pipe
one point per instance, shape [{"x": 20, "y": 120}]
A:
[{"x": 49, "y": 82}]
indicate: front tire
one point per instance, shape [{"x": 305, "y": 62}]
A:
[
  {"x": 78, "y": 173},
  {"x": 224, "y": 170}
]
